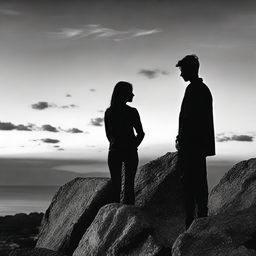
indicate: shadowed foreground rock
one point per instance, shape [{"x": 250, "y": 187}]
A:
[
  {"x": 35, "y": 252},
  {"x": 119, "y": 230},
  {"x": 231, "y": 228},
  {"x": 71, "y": 212},
  {"x": 236, "y": 190},
  {"x": 220, "y": 235},
  {"x": 159, "y": 192}
]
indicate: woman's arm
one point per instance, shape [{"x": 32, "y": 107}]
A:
[{"x": 138, "y": 128}]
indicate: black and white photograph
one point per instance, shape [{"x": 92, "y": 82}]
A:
[{"x": 127, "y": 128}]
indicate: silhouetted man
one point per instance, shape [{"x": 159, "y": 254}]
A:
[{"x": 195, "y": 139}]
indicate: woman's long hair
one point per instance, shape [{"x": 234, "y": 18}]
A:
[{"x": 120, "y": 93}]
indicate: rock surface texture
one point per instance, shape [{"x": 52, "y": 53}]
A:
[
  {"x": 35, "y": 252},
  {"x": 159, "y": 192},
  {"x": 74, "y": 207},
  {"x": 119, "y": 230},
  {"x": 219, "y": 235},
  {"x": 230, "y": 230},
  {"x": 236, "y": 190},
  {"x": 71, "y": 212}
]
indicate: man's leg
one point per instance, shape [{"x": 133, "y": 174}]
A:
[
  {"x": 130, "y": 168},
  {"x": 185, "y": 165},
  {"x": 115, "y": 168},
  {"x": 202, "y": 188},
  {"x": 189, "y": 202}
]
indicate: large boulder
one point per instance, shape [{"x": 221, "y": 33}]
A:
[
  {"x": 159, "y": 192},
  {"x": 35, "y": 252},
  {"x": 232, "y": 234},
  {"x": 119, "y": 230},
  {"x": 71, "y": 212},
  {"x": 231, "y": 228},
  {"x": 236, "y": 190}
]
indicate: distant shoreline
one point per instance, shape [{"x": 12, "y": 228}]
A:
[{"x": 19, "y": 231}]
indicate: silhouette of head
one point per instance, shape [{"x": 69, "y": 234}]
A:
[
  {"x": 122, "y": 93},
  {"x": 189, "y": 67}
]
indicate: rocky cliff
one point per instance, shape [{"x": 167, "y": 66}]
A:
[{"x": 81, "y": 219}]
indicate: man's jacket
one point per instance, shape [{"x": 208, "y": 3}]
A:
[{"x": 196, "y": 130}]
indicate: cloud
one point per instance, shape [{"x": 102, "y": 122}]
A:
[
  {"x": 244, "y": 138},
  {"x": 97, "y": 31},
  {"x": 58, "y": 148},
  {"x": 41, "y": 105},
  {"x": 49, "y": 128},
  {"x": 74, "y": 130},
  {"x": 69, "y": 106},
  {"x": 22, "y": 127},
  {"x": 152, "y": 73},
  {"x": 97, "y": 121},
  {"x": 9, "y": 12},
  {"x": 44, "y": 105},
  {"x": 47, "y": 140},
  {"x": 7, "y": 126}
]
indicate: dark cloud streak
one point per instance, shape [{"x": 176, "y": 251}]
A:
[
  {"x": 49, "y": 128},
  {"x": 41, "y": 105},
  {"x": 7, "y": 126},
  {"x": 152, "y": 73},
  {"x": 241, "y": 138},
  {"x": 97, "y": 121},
  {"x": 48, "y": 140},
  {"x": 74, "y": 130}
]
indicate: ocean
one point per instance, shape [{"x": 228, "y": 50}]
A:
[
  {"x": 25, "y": 199},
  {"x": 47, "y": 176}
]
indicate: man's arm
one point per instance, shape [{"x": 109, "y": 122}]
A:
[
  {"x": 107, "y": 126},
  {"x": 184, "y": 120}
]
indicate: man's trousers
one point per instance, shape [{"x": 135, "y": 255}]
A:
[{"x": 193, "y": 173}]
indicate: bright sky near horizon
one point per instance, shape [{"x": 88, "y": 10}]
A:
[{"x": 61, "y": 59}]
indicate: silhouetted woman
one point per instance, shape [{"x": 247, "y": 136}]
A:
[{"x": 120, "y": 122}]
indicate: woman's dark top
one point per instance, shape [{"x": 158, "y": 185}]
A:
[{"x": 120, "y": 123}]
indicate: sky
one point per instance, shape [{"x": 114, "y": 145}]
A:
[{"x": 59, "y": 62}]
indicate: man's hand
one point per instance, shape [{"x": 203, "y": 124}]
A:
[{"x": 177, "y": 146}]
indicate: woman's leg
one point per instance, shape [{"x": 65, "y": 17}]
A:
[
  {"x": 115, "y": 168},
  {"x": 130, "y": 167}
]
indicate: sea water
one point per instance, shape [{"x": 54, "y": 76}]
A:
[{"x": 25, "y": 199}]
